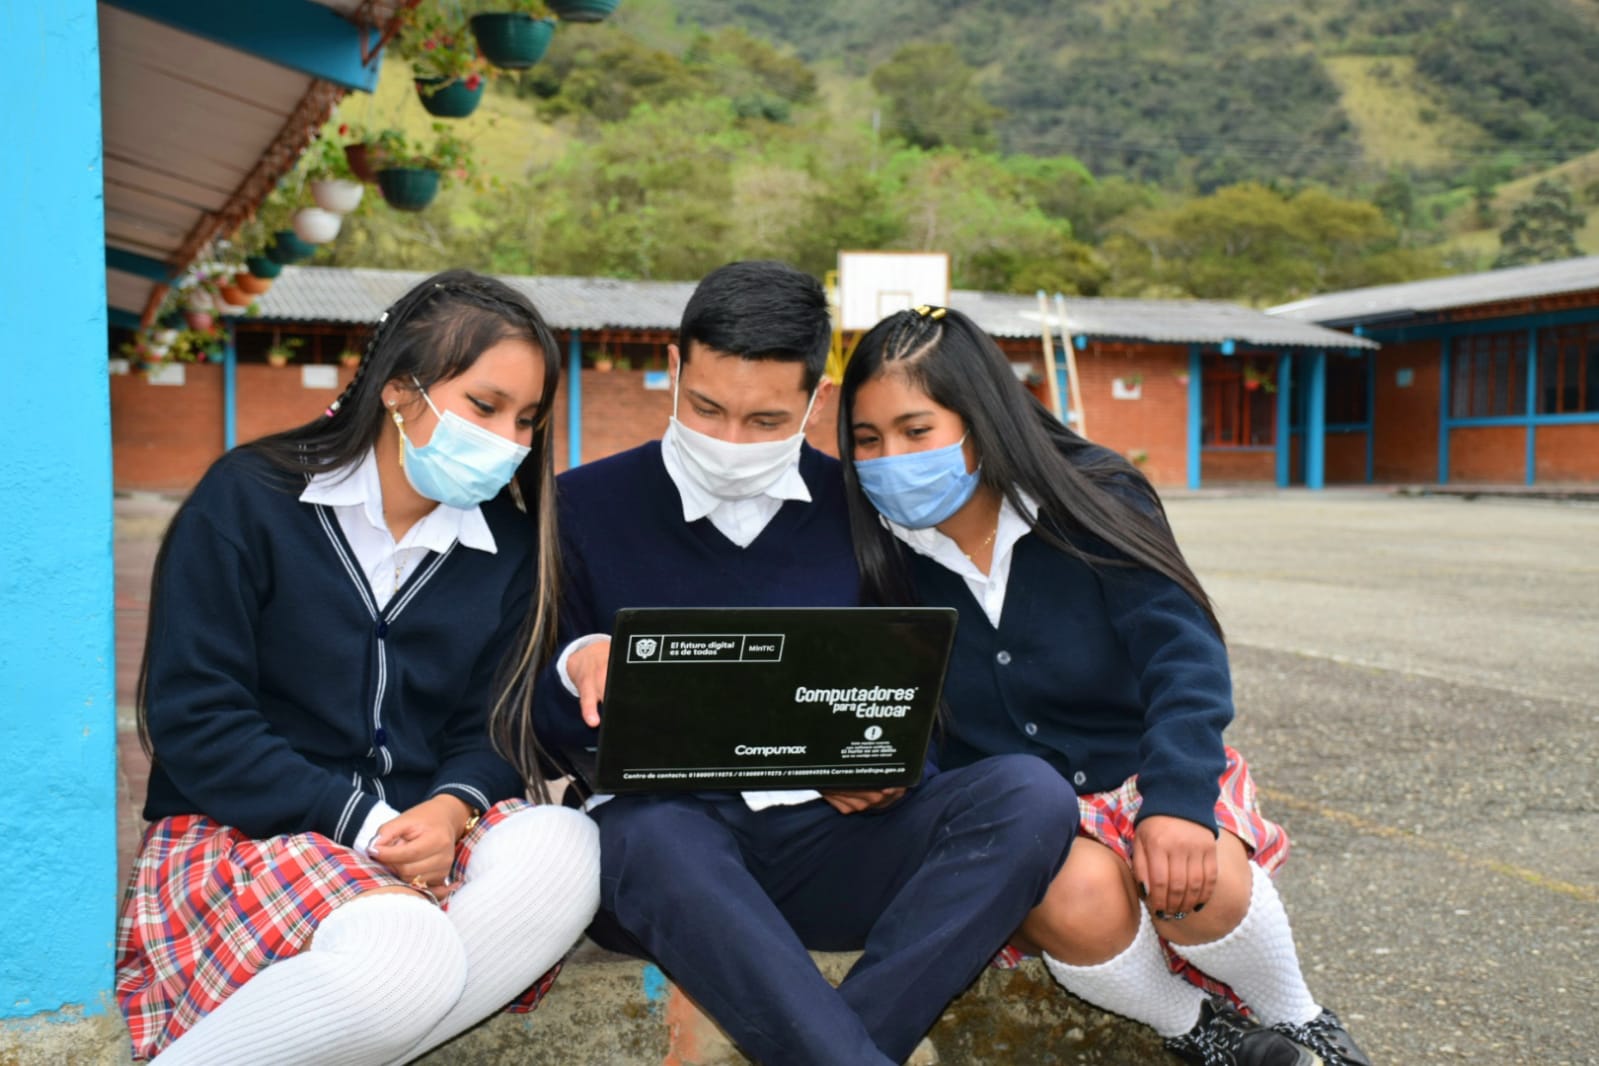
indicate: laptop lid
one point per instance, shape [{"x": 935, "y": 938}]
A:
[{"x": 755, "y": 698}]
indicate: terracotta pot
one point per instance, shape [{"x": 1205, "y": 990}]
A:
[
  {"x": 340, "y": 197},
  {"x": 199, "y": 321},
  {"x": 235, "y": 297},
  {"x": 350, "y": 359},
  {"x": 365, "y": 160},
  {"x": 251, "y": 284},
  {"x": 274, "y": 359}
]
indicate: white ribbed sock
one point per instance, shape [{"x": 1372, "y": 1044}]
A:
[
  {"x": 1258, "y": 960},
  {"x": 530, "y": 890},
  {"x": 380, "y": 972},
  {"x": 1138, "y": 983}
]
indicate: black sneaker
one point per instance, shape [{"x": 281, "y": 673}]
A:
[
  {"x": 1224, "y": 1037},
  {"x": 1326, "y": 1036}
]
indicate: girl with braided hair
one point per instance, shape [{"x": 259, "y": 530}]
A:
[
  {"x": 345, "y": 620},
  {"x": 1086, "y": 640}
]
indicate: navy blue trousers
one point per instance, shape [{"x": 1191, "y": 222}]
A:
[{"x": 728, "y": 900}]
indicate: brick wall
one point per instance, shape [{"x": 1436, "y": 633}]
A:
[
  {"x": 1231, "y": 466},
  {"x": 1406, "y": 448},
  {"x": 1157, "y": 422},
  {"x": 1345, "y": 459},
  {"x": 1568, "y": 453},
  {"x": 1488, "y": 453}
]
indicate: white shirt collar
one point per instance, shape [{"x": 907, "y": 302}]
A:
[
  {"x": 698, "y": 504},
  {"x": 360, "y": 486},
  {"x": 943, "y": 550}
]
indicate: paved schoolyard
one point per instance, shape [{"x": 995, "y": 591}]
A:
[{"x": 1414, "y": 682}]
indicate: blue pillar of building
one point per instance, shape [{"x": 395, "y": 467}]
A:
[
  {"x": 1196, "y": 417},
  {"x": 1316, "y": 422},
  {"x": 1532, "y": 405},
  {"x": 230, "y": 388},
  {"x": 574, "y": 400},
  {"x": 1285, "y": 440},
  {"x": 58, "y": 795}
]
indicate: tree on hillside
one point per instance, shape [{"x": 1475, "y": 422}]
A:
[
  {"x": 932, "y": 98},
  {"x": 1255, "y": 244},
  {"x": 1542, "y": 227}
]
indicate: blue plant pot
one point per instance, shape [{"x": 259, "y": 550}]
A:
[
  {"x": 583, "y": 10},
  {"x": 449, "y": 98},
  {"x": 512, "y": 40},
  {"x": 408, "y": 188}
]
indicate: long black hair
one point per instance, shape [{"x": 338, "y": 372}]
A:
[
  {"x": 1092, "y": 503},
  {"x": 435, "y": 332}
]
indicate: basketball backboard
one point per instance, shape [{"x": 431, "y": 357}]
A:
[{"x": 873, "y": 285}]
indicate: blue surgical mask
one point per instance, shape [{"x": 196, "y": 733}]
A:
[
  {"x": 463, "y": 464},
  {"x": 918, "y": 489}
]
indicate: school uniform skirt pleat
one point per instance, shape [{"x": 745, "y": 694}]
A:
[{"x": 208, "y": 907}]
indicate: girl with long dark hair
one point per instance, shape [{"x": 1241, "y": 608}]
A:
[
  {"x": 345, "y": 621},
  {"x": 1085, "y": 639}
]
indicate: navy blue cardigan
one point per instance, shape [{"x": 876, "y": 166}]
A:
[
  {"x": 281, "y": 699},
  {"x": 624, "y": 544},
  {"x": 1104, "y": 672}
]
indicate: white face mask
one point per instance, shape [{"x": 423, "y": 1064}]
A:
[{"x": 733, "y": 471}]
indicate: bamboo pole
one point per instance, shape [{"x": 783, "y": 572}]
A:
[
  {"x": 1072, "y": 381},
  {"x": 1049, "y": 356}
]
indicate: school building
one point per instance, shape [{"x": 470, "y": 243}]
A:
[
  {"x": 1195, "y": 392},
  {"x": 1488, "y": 378}
]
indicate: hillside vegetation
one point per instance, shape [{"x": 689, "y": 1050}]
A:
[{"x": 1256, "y": 150}]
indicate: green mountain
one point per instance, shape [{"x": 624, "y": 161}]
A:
[{"x": 1203, "y": 93}]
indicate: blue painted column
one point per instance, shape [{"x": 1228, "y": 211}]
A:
[
  {"x": 1316, "y": 423},
  {"x": 1443, "y": 409},
  {"x": 58, "y": 796},
  {"x": 1285, "y": 440},
  {"x": 230, "y": 389},
  {"x": 1196, "y": 416},
  {"x": 1532, "y": 405},
  {"x": 574, "y": 400}
]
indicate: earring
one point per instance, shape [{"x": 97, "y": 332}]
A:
[{"x": 399, "y": 424}]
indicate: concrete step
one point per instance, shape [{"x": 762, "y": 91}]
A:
[{"x": 611, "y": 1010}]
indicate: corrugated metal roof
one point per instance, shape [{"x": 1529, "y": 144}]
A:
[
  {"x": 1382, "y": 302},
  {"x": 1161, "y": 321},
  {"x": 336, "y": 294}
]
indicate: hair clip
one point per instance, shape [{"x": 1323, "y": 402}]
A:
[{"x": 928, "y": 311}]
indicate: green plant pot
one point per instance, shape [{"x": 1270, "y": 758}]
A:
[
  {"x": 408, "y": 188},
  {"x": 287, "y": 247},
  {"x": 512, "y": 40},
  {"x": 583, "y": 10},
  {"x": 261, "y": 266},
  {"x": 449, "y": 99}
]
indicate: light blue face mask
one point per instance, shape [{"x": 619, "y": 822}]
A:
[
  {"x": 463, "y": 464},
  {"x": 918, "y": 489}
]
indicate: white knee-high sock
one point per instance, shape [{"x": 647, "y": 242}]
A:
[
  {"x": 1257, "y": 959},
  {"x": 1138, "y": 984},
  {"x": 530, "y": 890},
  {"x": 381, "y": 970}
]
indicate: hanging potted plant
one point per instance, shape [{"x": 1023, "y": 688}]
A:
[
  {"x": 448, "y": 72},
  {"x": 413, "y": 174},
  {"x": 250, "y": 284},
  {"x": 511, "y": 34},
  {"x": 282, "y": 350},
  {"x": 1255, "y": 379},
  {"x": 333, "y": 184},
  {"x": 583, "y": 10},
  {"x": 350, "y": 357},
  {"x": 313, "y": 225}
]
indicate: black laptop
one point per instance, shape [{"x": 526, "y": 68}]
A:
[{"x": 759, "y": 698}]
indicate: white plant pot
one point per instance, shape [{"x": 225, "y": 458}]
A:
[
  {"x": 200, "y": 300},
  {"x": 164, "y": 337},
  {"x": 313, "y": 225},
  {"x": 336, "y": 195}
]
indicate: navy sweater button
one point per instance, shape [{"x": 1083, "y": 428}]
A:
[
  {"x": 1003, "y": 658},
  {"x": 383, "y": 630},
  {"x": 381, "y": 737}
]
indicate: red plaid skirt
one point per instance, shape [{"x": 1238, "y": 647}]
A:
[
  {"x": 1109, "y": 818},
  {"x": 207, "y": 908}
]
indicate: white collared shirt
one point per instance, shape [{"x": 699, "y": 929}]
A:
[
  {"x": 355, "y": 495},
  {"x": 987, "y": 589}
]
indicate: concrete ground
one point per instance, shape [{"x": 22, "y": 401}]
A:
[{"x": 1413, "y": 685}]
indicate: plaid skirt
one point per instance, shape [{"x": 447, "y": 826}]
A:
[
  {"x": 207, "y": 908},
  {"x": 1109, "y": 818}
]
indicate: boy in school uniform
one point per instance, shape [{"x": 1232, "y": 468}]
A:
[{"x": 728, "y": 892}]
